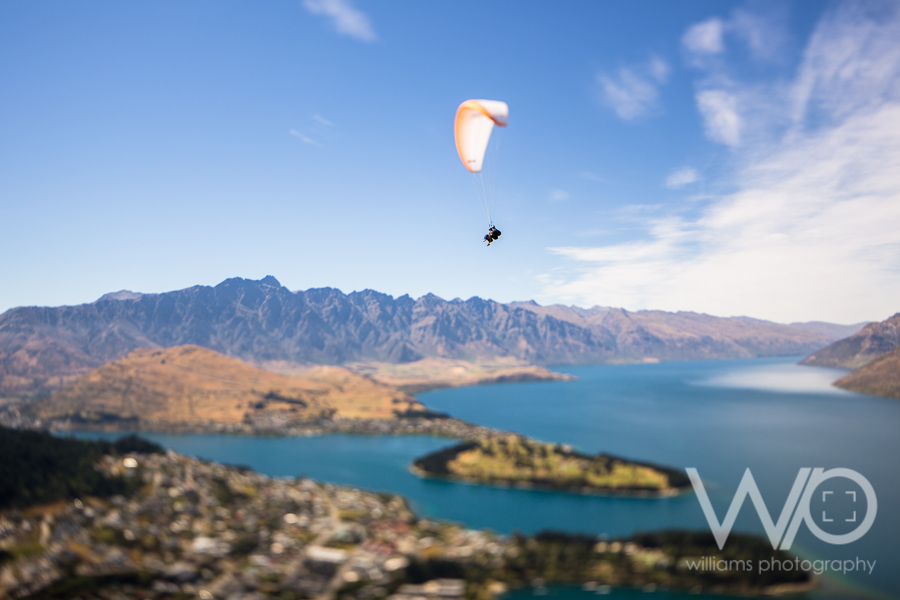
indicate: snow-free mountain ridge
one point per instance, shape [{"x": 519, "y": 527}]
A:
[{"x": 263, "y": 322}]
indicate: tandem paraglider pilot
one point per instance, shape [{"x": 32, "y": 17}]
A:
[{"x": 492, "y": 235}]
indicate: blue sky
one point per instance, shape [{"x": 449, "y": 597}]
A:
[{"x": 731, "y": 158}]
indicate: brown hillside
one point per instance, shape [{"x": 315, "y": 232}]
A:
[
  {"x": 881, "y": 377},
  {"x": 190, "y": 384},
  {"x": 873, "y": 341}
]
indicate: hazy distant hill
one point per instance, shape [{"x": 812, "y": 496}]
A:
[
  {"x": 190, "y": 384},
  {"x": 832, "y": 330},
  {"x": 881, "y": 377},
  {"x": 871, "y": 342},
  {"x": 263, "y": 322}
]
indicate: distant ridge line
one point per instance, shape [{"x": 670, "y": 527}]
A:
[{"x": 261, "y": 321}]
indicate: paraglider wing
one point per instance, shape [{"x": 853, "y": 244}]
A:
[{"x": 475, "y": 120}]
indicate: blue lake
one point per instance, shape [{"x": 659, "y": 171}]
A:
[{"x": 720, "y": 417}]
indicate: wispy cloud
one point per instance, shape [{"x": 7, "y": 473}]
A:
[
  {"x": 762, "y": 34},
  {"x": 559, "y": 195},
  {"x": 303, "y": 137},
  {"x": 658, "y": 69},
  {"x": 346, "y": 19},
  {"x": 850, "y": 65},
  {"x": 682, "y": 177},
  {"x": 704, "y": 40},
  {"x": 721, "y": 119},
  {"x": 709, "y": 46},
  {"x": 810, "y": 231},
  {"x": 633, "y": 92},
  {"x": 316, "y": 134}
]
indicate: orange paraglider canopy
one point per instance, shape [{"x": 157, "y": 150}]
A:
[{"x": 475, "y": 120}]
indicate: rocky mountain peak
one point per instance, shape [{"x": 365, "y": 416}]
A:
[{"x": 120, "y": 296}]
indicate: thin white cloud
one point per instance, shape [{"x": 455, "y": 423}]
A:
[
  {"x": 682, "y": 177},
  {"x": 704, "y": 40},
  {"x": 318, "y": 134},
  {"x": 559, "y": 195},
  {"x": 346, "y": 19},
  {"x": 849, "y": 65},
  {"x": 763, "y": 34},
  {"x": 810, "y": 232},
  {"x": 634, "y": 92},
  {"x": 303, "y": 137},
  {"x": 630, "y": 95},
  {"x": 724, "y": 105},
  {"x": 659, "y": 69},
  {"x": 721, "y": 119}
]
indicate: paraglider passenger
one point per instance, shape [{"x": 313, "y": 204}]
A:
[{"x": 492, "y": 235}]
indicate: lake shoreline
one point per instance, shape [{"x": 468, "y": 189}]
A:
[
  {"x": 598, "y": 412},
  {"x": 449, "y": 428},
  {"x": 182, "y": 522}
]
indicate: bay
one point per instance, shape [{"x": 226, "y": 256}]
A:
[{"x": 721, "y": 417}]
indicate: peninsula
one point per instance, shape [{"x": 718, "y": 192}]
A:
[
  {"x": 515, "y": 460},
  {"x": 880, "y": 377},
  {"x": 435, "y": 373}
]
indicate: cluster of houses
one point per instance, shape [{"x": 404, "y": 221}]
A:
[{"x": 201, "y": 529}]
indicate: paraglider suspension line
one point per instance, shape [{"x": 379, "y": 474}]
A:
[{"x": 481, "y": 194}]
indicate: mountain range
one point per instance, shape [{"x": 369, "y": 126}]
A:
[{"x": 266, "y": 324}]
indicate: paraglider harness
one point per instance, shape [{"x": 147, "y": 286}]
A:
[{"x": 492, "y": 235}]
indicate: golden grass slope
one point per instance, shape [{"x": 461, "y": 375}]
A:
[{"x": 191, "y": 384}]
